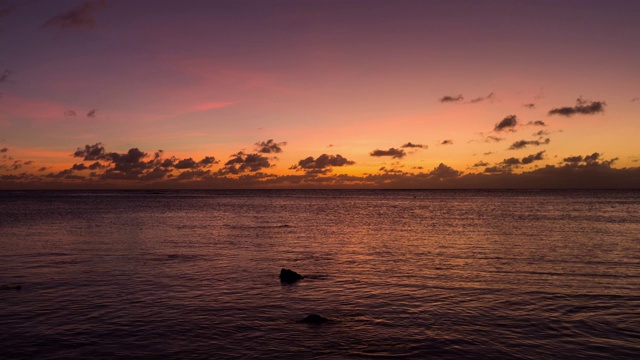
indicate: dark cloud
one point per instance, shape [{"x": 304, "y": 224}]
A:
[
  {"x": 481, "y": 164},
  {"x": 537, "y": 123},
  {"x": 193, "y": 174},
  {"x": 635, "y": 99},
  {"x": 524, "y": 143},
  {"x": 533, "y": 157},
  {"x": 587, "y": 160},
  {"x": 508, "y": 123},
  {"x": 446, "y": 142},
  {"x": 448, "y": 98},
  {"x": 411, "y": 145},
  {"x": 4, "y": 150},
  {"x": 42, "y": 169},
  {"x": 242, "y": 162},
  {"x": 393, "y": 152},
  {"x": 590, "y": 159},
  {"x": 96, "y": 165},
  {"x": 208, "y": 161},
  {"x": 81, "y": 17},
  {"x": 323, "y": 164},
  {"x": 186, "y": 164},
  {"x": 494, "y": 169},
  {"x": 443, "y": 172},
  {"x": 189, "y": 163},
  {"x": 573, "y": 159},
  {"x": 507, "y": 165},
  {"x": 582, "y": 107},
  {"x": 541, "y": 133},
  {"x": 79, "y": 167},
  {"x": 530, "y": 106},
  {"x": 511, "y": 161},
  {"x": 4, "y": 77},
  {"x": 135, "y": 164},
  {"x": 491, "y": 96},
  {"x": 91, "y": 152},
  {"x": 492, "y": 138},
  {"x": 92, "y": 113},
  {"x": 70, "y": 113},
  {"x": 391, "y": 171},
  {"x": 269, "y": 147}
]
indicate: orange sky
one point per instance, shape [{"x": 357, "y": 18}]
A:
[{"x": 479, "y": 86}]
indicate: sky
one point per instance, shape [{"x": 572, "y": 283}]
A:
[{"x": 202, "y": 94}]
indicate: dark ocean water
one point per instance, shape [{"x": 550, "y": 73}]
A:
[{"x": 406, "y": 274}]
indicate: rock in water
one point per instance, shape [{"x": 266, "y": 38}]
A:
[
  {"x": 289, "y": 276},
  {"x": 315, "y": 319}
]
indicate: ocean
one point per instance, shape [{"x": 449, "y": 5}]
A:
[{"x": 400, "y": 274}]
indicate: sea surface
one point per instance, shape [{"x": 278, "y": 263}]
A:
[{"x": 401, "y": 274}]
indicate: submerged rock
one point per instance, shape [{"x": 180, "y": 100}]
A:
[
  {"x": 289, "y": 276},
  {"x": 315, "y": 319}
]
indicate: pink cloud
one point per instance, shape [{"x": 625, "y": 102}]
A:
[
  {"x": 212, "y": 105},
  {"x": 37, "y": 109}
]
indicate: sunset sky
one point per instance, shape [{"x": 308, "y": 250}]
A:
[{"x": 305, "y": 94}]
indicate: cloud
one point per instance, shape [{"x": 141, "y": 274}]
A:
[
  {"x": 529, "y": 106},
  {"x": 242, "y": 162},
  {"x": 533, "y": 157},
  {"x": 481, "y": 164},
  {"x": 589, "y": 160},
  {"x": 135, "y": 164},
  {"x": 4, "y": 150},
  {"x": 511, "y": 161},
  {"x": 491, "y": 96},
  {"x": 70, "y": 113},
  {"x": 582, "y": 107},
  {"x": 494, "y": 169},
  {"x": 508, "y": 123},
  {"x": 506, "y": 165},
  {"x": 81, "y": 17},
  {"x": 91, "y": 152},
  {"x": 92, "y": 113},
  {"x": 541, "y": 133},
  {"x": 492, "y": 138},
  {"x": 524, "y": 143},
  {"x": 448, "y": 98},
  {"x": 393, "y": 152},
  {"x": 446, "y": 142},
  {"x": 193, "y": 174},
  {"x": 573, "y": 159},
  {"x": 443, "y": 172},
  {"x": 212, "y": 105},
  {"x": 79, "y": 167},
  {"x": 412, "y": 145},
  {"x": 323, "y": 164},
  {"x": 635, "y": 99},
  {"x": 4, "y": 77},
  {"x": 185, "y": 164},
  {"x": 537, "y": 123},
  {"x": 189, "y": 163},
  {"x": 269, "y": 146}
]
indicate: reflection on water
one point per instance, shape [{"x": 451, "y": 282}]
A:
[{"x": 416, "y": 274}]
